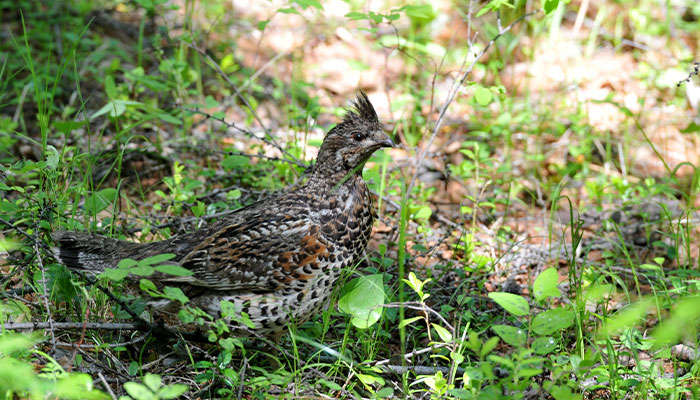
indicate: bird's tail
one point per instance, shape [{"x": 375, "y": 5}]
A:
[{"x": 90, "y": 253}]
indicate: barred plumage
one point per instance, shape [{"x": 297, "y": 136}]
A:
[{"x": 277, "y": 259}]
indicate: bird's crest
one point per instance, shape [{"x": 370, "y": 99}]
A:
[{"x": 361, "y": 109}]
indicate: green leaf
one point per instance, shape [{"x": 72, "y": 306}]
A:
[
  {"x": 444, "y": 334},
  {"x": 546, "y": 285},
  {"x": 329, "y": 384},
  {"x": 169, "y": 118},
  {"x": 626, "y": 318},
  {"x": 142, "y": 270},
  {"x": 174, "y": 270},
  {"x": 510, "y": 334},
  {"x": 691, "y": 128},
  {"x": 98, "y": 201},
  {"x": 157, "y": 259},
  {"x": 683, "y": 321},
  {"x": 11, "y": 342},
  {"x": 76, "y": 386},
  {"x": 127, "y": 263},
  {"x": 185, "y": 316},
  {"x": 173, "y": 293},
  {"x": 234, "y": 162},
  {"x": 408, "y": 321},
  {"x": 356, "y": 15},
  {"x": 147, "y": 286},
  {"x": 172, "y": 391},
  {"x": 550, "y": 5},
  {"x": 482, "y": 95},
  {"x": 362, "y": 298},
  {"x": 138, "y": 391},
  {"x": 488, "y": 346},
  {"x": 263, "y": 24},
  {"x": 110, "y": 87},
  {"x": 550, "y": 321},
  {"x": 67, "y": 127},
  {"x": 420, "y": 11},
  {"x": 152, "y": 381},
  {"x": 288, "y": 10},
  {"x": 424, "y": 212},
  {"x": 512, "y": 303},
  {"x": 114, "y": 274},
  {"x": 543, "y": 345}
]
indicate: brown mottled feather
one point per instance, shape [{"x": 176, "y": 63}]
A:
[{"x": 277, "y": 259}]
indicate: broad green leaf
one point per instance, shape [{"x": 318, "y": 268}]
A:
[
  {"x": 172, "y": 391},
  {"x": 543, "y": 345},
  {"x": 100, "y": 200},
  {"x": 488, "y": 346},
  {"x": 355, "y": 15},
  {"x": 528, "y": 372},
  {"x": 234, "y": 162},
  {"x": 138, "y": 391},
  {"x": 362, "y": 298},
  {"x": 510, "y": 334},
  {"x": 127, "y": 263},
  {"x": 408, "y": 321},
  {"x": 11, "y": 342},
  {"x": 550, "y": 5},
  {"x": 147, "y": 285},
  {"x": 157, "y": 259},
  {"x": 550, "y": 321},
  {"x": 512, "y": 303},
  {"x": 329, "y": 384},
  {"x": 152, "y": 381},
  {"x": 52, "y": 157},
  {"x": 420, "y": 11},
  {"x": 77, "y": 386},
  {"x": 625, "y": 318},
  {"x": 142, "y": 270},
  {"x": 174, "y": 270},
  {"x": 545, "y": 284},
  {"x": 185, "y": 316},
  {"x": 114, "y": 274},
  {"x": 169, "y": 118},
  {"x": 683, "y": 321},
  {"x": 424, "y": 212},
  {"x": 176, "y": 294},
  {"x": 482, "y": 95},
  {"x": 444, "y": 334}
]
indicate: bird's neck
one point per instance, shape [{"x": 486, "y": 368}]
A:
[{"x": 330, "y": 181}]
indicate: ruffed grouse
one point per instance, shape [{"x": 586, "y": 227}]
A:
[{"x": 276, "y": 260}]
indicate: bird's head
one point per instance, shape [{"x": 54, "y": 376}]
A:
[{"x": 350, "y": 144}]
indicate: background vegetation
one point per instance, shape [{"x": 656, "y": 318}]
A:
[{"x": 537, "y": 235}]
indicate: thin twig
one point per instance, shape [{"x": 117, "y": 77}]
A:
[
  {"x": 71, "y": 325},
  {"x": 106, "y": 385},
  {"x": 271, "y": 142},
  {"x": 107, "y": 345},
  {"x": 452, "y": 94},
  {"x": 44, "y": 295},
  {"x": 418, "y": 369},
  {"x": 228, "y": 80}
]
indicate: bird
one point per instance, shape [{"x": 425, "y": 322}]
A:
[{"x": 276, "y": 260}]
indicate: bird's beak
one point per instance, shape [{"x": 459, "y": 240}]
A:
[{"x": 385, "y": 140}]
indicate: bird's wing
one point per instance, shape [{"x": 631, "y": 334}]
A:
[{"x": 260, "y": 253}]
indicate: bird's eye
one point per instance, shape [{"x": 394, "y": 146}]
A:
[{"x": 358, "y": 136}]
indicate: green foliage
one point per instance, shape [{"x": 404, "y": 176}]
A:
[
  {"x": 362, "y": 298},
  {"x": 152, "y": 388},
  {"x": 69, "y": 93},
  {"x": 18, "y": 377}
]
